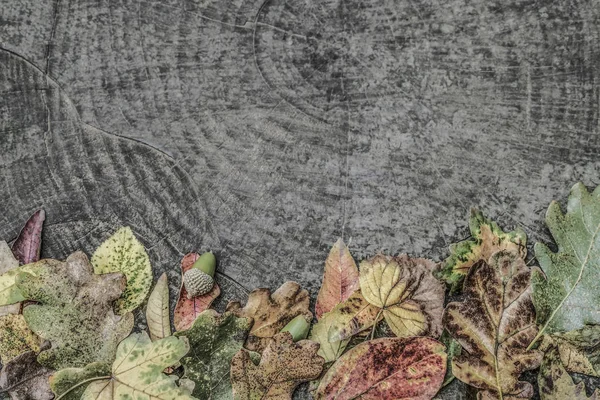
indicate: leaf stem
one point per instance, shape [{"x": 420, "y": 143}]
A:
[
  {"x": 375, "y": 323},
  {"x": 98, "y": 378}
]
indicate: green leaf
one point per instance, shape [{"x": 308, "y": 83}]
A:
[
  {"x": 15, "y": 337},
  {"x": 75, "y": 312},
  {"x": 157, "y": 311},
  {"x": 556, "y": 384},
  {"x": 68, "y": 382},
  {"x": 137, "y": 371},
  {"x": 320, "y": 332},
  {"x": 486, "y": 239},
  {"x": 579, "y": 350},
  {"x": 8, "y": 262},
  {"x": 9, "y": 292},
  {"x": 214, "y": 340},
  {"x": 565, "y": 295},
  {"x": 122, "y": 252}
]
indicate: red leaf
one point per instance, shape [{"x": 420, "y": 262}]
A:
[
  {"x": 186, "y": 309},
  {"x": 340, "y": 279},
  {"x": 27, "y": 246},
  {"x": 387, "y": 369}
]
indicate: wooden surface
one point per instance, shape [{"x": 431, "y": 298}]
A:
[{"x": 265, "y": 130}]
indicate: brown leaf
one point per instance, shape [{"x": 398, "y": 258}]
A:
[
  {"x": 387, "y": 369},
  {"x": 340, "y": 279},
  {"x": 26, "y": 247},
  {"x": 271, "y": 312},
  {"x": 186, "y": 309},
  {"x": 494, "y": 325},
  {"x": 24, "y": 379},
  {"x": 283, "y": 366}
]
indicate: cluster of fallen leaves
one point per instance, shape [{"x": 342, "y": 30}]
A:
[{"x": 391, "y": 327}]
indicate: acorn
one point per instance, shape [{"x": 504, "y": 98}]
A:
[
  {"x": 198, "y": 280},
  {"x": 298, "y": 328}
]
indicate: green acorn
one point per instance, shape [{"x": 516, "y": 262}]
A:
[
  {"x": 298, "y": 328},
  {"x": 198, "y": 280}
]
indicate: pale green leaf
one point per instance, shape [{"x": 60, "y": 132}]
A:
[
  {"x": 122, "y": 252},
  {"x": 8, "y": 262},
  {"x": 321, "y": 332},
  {"x": 157, "y": 311}
]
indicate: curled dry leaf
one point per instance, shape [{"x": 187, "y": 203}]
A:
[
  {"x": 494, "y": 325},
  {"x": 271, "y": 313},
  {"x": 8, "y": 262},
  {"x": 387, "y": 369},
  {"x": 186, "y": 309},
  {"x": 157, "y": 311},
  {"x": 138, "y": 369},
  {"x": 283, "y": 366},
  {"x": 26, "y": 247},
  {"x": 569, "y": 285},
  {"x": 214, "y": 340},
  {"x": 486, "y": 239},
  {"x": 24, "y": 379},
  {"x": 556, "y": 384},
  {"x": 340, "y": 279},
  {"x": 16, "y": 338},
  {"x": 74, "y": 311},
  {"x": 411, "y": 298},
  {"x": 123, "y": 253}
]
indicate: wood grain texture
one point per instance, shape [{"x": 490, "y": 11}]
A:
[{"x": 265, "y": 130}]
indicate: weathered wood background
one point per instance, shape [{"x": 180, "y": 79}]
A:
[{"x": 266, "y": 129}]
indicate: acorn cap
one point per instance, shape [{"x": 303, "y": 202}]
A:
[
  {"x": 197, "y": 283},
  {"x": 206, "y": 263}
]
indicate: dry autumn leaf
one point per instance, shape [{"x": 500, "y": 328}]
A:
[
  {"x": 8, "y": 262},
  {"x": 74, "y": 311},
  {"x": 271, "y": 313},
  {"x": 566, "y": 294},
  {"x": 387, "y": 369},
  {"x": 556, "y": 384},
  {"x": 186, "y": 309},
  {"x": 340, "y": 279},
  {"x": 24, "y": 379},
  {"x": 494, "y": 325},
  {"x": 579, "y": 350},
  {"x": 71, "y": 383},
  {"x": 283, "y": 366},
  {"x": 26, "y": 247},
  {"x": 404, "y": 288},
  {"x": 16, "y": 338},
  {"x": 486, "y": 239},
  {"x": 157, "y": 310}
]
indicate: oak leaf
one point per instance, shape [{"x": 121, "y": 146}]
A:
[
  {"x": 25, "y": 379},
  {"x": 123, "y": 253},
  {"x": 387, "y": 368},
  {"x": 340, "y": 279},
  {"x": 283, "y": 366},
  {"x": 8, "y": 262},
  {"x": 271, "y": 312},
  {"x": 26, "y": 247},
  {"x": 494, "y": 325},
  {"x": 486, "y": 239},
  {"x": 565, "y": 294},
  {"x": 187, "y": 310},
  {"x": 556, "y": 384},
  {"x": 214, "y": 339},
  {"x": 404, "y": 288},
  {"x": 157, "y": 310},
  {"x": 74, "y": 311},
  {"x": 137, "y": 371}
]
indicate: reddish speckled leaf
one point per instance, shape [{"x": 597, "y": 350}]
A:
[
  {"x": 340, "y": 279},
  {"x": 387, "y": 369},
  {"x": 186, "y": 309},
  {"x": 27, "y": 246}
]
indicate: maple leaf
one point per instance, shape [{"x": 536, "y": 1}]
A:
[
  {"x": 15, "y": 337},
  {"x": 122, "y": 252},
  {"x": 486, "y": 239},
  {"x": 494, "y": 325},
  {"x": 271, "y": 313},
  {"x": 25, "y": 379},
  {"x": 187, "y": 310},
  {"x": 556, "y": 384},
  {"x": 579, "y": 350},
  {"x": 404, "y": 288},
  {"x": 387, "y": 368},
  {"x": 283, "y": 366},
  {"x": 26, "y": 247},
  {"x": 157, "y": 310},
  {"x": 565, "y": 295},
  {"x": 8, "y": 262},
  {"x": 340, "y": 279},
  {"x": 214, "y": 340},
  {"x": 137, "y": 371},
  {"x": 75, "y": 311}
]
